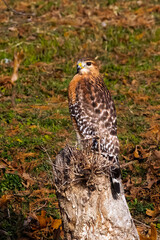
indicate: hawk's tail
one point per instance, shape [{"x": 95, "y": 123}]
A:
[
  {"x": 115, "y": 174},
  {"x": 114, "y": 170}
]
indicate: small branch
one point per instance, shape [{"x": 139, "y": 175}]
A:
[
  {"x": 37, "y": 210},
  {"x": 17, "y": 12},
  {"x": 139, "y": 222},
  {"x": 45, "y": 150},
  {"x": 18, "y": 57},
  {"x": 129, "y": 163},
  {"x": 13, "y": 96}
]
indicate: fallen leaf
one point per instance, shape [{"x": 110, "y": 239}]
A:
[
  {"x": 6, "y": 81},
  {"x": 155, "y": 129},
  {"x": 150, "y": 178},
  {"x": 140, "y": 36},
  {"x": 42, "y": 219},
  {"x": 22, "y": 155},
  {"x": 29, "y": 180},
  {"x": 56, "y": 223},
  {"x": 4, "y": 200},
  {"x": 153, "y": 213},
  {"x": 152, "y": 235},
  {"x": 41, "y": 107},
  {"x": 136, "y": 154},
  {"x": 3, "y": 166},
  {"x": 141, "y": 153},
  {"x": 157, "y": 154}
]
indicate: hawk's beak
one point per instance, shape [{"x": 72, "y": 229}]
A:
[{"x": 79, "y": 67}]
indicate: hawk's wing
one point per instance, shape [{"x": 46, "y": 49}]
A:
[{"x": 92, "y": 109}]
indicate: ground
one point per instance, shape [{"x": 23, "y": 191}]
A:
[{"x": 48, "y": 37}]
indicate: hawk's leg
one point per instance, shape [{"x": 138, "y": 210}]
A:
[{"x": 79, "y": 143}]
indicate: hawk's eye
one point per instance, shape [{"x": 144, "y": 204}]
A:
[{"x": 88, "y": 63}]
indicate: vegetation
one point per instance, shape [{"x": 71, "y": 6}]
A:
[{"x": 50, "y": 36}]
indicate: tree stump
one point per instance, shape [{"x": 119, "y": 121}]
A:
[{"x": 89, "y": 208}]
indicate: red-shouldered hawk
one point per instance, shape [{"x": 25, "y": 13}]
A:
[{"x": 93, "y": 114}]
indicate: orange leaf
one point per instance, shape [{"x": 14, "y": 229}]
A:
[
  {"x": 56, "y": 223},
  {"x": 155, "y": 129},
  {"x": 22, "y": 155},
  {"x": 153, "y": 234},
  {"x": 153, "y": 213},
  {"x": 140, "y": 36},
  {"x": 4, "y": 200},
  {"x": 141, "y": 153},
  {"x": 150, "y": 212},
  {"x": 136, "y": 154},
  {"x": 42, "y": 219},
  {"x": 142, "y": 237}
]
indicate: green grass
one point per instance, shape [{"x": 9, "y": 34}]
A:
[
  {"x": 138, "y": 207},
  {"x": 11, "y": 182}
]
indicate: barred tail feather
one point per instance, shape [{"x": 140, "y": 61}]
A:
[{"x": 115, "y": 181}]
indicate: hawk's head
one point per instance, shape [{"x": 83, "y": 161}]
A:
[{"x": 87, "y": 65}]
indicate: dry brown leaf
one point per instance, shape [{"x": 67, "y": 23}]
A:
[
  {"x": 10, "y": 165},
  {"x": 13, "y": 131},
  {"x": 3, "y": 166},
  {"x": 134, "y": 191},
  {"x": 22, "y": 6},
  {"x": 155, "y": 8},
  {"x": 157, "y": 154},
  {"x": 56, "y": 223},
  {"x": 126, "y": 158},
  {"x": 152, "y": 235},
  {"x": 42, "y": 219},
  {"x": 141, "y": 153},
  {"x": 150, "y": 178},
  {"x": 156, "y": 108},
  {"x": 153, "y": 232},
  {"x": 150, "y": 212},
  {"x": 153, "y": 213},
  {"x": 41, "y": 192},
  {"x": 41, "y": 107},
  {"x": 152, "y": 136},
  {"x": 155, "y": 129},
  {"x": 22, "y": 156},
  {"x": 140, "y": 36},
  {"x": 136, "y": 154},
  {"x": 138, "y": 98},
  {"x": 6, "y": 81},
  {"x": 4, "y": 200},
  {"x": 27, "y": 178}
]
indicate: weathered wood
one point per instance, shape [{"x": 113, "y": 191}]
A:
[{"x": 89, "y": 209}]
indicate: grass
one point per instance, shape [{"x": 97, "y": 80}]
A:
[
  {"x": 52, "y": 42},
  {"x": 138, "y": 208}
]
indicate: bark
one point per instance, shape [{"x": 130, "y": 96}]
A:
[{"x": 89, "y": 208}]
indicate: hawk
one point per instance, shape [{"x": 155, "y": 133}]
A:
[{"x": 93, "y": 115}]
